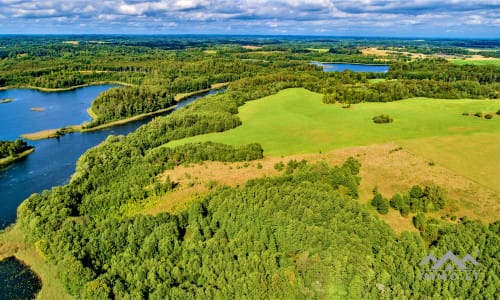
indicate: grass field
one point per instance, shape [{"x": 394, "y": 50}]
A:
[
  {"x": 477, "y": 62},
  {"x": 475, "y": 156},
  {"x": 439, "y": 145},
  {"x": 296, "y": 121},
  {"x": 388, "y": 166}
]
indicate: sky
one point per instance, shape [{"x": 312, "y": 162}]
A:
[{"x": 391, "y": 18}]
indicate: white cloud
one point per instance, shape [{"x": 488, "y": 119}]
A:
[{"x": 251, "y": 15}]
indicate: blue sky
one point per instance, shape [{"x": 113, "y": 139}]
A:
[{"x": 397, "y": 18}]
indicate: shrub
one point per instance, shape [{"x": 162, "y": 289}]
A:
[
  {"x": 405, "y": 210},
  {"x": 396, "y": 202},
  {"x": 488, "y": 116},
  {"x": 478, "y": 114},
  {"x": 259, "y": 166},
  {"x": 465, "y": 114},
  {"x": 381, "y": 203},
  {"x": 381, "y": 119},
  {"x": 498, "y": 112},
  {"x": 279, "y": 166},
  {"x": 420, "y": 221}
]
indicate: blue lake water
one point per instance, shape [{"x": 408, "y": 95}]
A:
[
  {"x": 17, "y": 281},
  {"x": 339, "y": 67},
  {"x": 59, "y": 109},
  {"x": 51, "y": 164}
]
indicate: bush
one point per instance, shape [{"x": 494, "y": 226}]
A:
[
  {"x": 396, "y": 202},
  {"x": 498, "y": 112},
  {"x": 279, "y": 166},
  {"x": 381, "y": 119},
  {"x": 420, "y": 221},
  {"x": 465, "y": 114},
  {"x": 488, "y": 116},
  {"x": 381, "y": 203},
  {"x": 405, "y": 210},
  {"x": 478, "y": 114}
]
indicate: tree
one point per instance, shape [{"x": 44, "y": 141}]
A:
[{"x": 381, "y": 203}]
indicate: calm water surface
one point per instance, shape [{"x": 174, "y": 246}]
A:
[{"x": 337, "y": 67}]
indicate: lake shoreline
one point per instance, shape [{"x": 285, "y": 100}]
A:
[
  {"x": 12, "y": 245},
  {"x": 8, "y": 160},
  {"x": 349, "y": 63},
  {"x": 57, "y": 132},
  {"x": 50, "y": 90}
]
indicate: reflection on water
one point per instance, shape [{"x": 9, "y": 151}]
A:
[
  {"x": 17, "y": 281},
  {"x": 339, "y": 67}
]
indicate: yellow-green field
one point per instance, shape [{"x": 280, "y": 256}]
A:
[
  {"x": 440, "y": 145},
  {"x": 475, "y": 156},
  {"x": 297, "y": 121},
  {"x": 477, "y": 62}
]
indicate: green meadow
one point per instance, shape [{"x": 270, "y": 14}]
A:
[
  {"x": 477, "y": 62},
  {"x": 297, "y": 121}
]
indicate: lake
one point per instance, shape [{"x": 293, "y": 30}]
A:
[
  {"x": 339, "y": 67},
  {"x": 54, "y": 160},
  {"x": 54, "y": 110}
]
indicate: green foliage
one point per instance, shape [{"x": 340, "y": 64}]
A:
[
  {"x": 420, "y": 221},
  {"x": 380, "y": 203},
  {"x": 125, "y": 102},
  {"x": 478, "y": 114},
  {"x": 12, "y": 149},
  {"x": 430, "y": 198},
  {"x": 488, "y": 116},
  {"x": 268, "y": 238},
  {"x": 380, "y": 119},
  {"x": 279, "y": 166}
]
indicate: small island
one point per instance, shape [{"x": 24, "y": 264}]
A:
[
  {"x": 12, "y": 151},
  {"x": 6, "y": 100}
]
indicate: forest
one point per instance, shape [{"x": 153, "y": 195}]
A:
[
  {"x": 301, "y": 235},
  {"x": 13, "y": 148}
]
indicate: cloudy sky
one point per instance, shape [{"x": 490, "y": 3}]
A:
[{"x": 417, "y": 18}]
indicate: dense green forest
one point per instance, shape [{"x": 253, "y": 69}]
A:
[
  {"x": 12, "y": 148},
  {"x": 300, "y": 235},
  {"x": 155, "y": 73}
]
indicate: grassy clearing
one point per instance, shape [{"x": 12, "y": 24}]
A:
[
  {"x": 388, "y": 166},
  {"x": 320, "y": 50},
  {"x": 296, "y": 121},
  {"x": 475, "y": 156},
  {"x": 12, "y": 244},
  {"x": 477, "y": 62}
]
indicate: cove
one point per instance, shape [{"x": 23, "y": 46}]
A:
[
  {"x": 339, "y": 67},
  {"x": 33, "y": 110},
  {"x": 54, "y": 160},
  {"x": 52, "y": 164}
]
